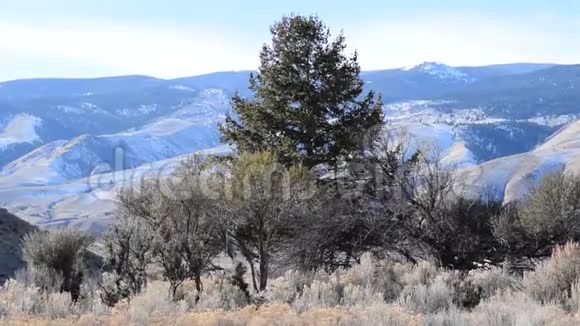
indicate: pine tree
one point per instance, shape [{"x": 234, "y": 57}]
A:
[{"x": 307, "y": 104}]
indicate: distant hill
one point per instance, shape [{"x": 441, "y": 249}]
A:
[
  {"x": 12, "y": 229},
  {"x": 60, "y": 87},
  {"x": 503, "y": 69},
  {"x": 552, "y": 91},
  {"x": 432, "y": 80},
  {"x": 510, "y": 177},
  {"x": 57, "y": 136}
]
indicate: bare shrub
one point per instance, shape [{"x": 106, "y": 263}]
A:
[
  {"x": 59, "y": 306},
  {"x": 427, "y": 298},
  {"x": 128, "y": 245},
  {"x": 21, "y": 299},
  {"x": 362, "y": 274},
  {"x": 515, "y": 308},
  {"x": 552, "y": 208},
  {"x": 182, "y": 228},
  {"x": 553, "y": 279},
  {"x": 220, "y": 294},
  {"x": 449, "y": 317},
  {"x": 318, "y": 294},
  {"x": 154, "y": 301},
  {"x": 40, "y": 277},
  {"x": 262, "y": 197},
  {"x": 423, "y": 273},
  {"x": 285, "y": 289},
  {"x": 61, "y": 252},
  {"x": 354, "y": 295},
  {"x": 548, "y": 215},
  {"x": 574, "y": 301},
  {"x": 490, "y": 281},
  {"x": 435, "y": 220},
  {"x": 332, "y": 232}
]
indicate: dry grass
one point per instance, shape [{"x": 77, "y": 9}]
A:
[
  {"x": 553, "y": 280},
  {"x": 373, "y": 293}
]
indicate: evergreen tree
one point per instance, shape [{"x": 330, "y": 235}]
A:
[{"x": 307, "y": 104}]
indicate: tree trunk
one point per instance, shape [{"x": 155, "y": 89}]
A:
[
  {"x": 253, "y": 272},
  {"x": 173, "y": 289},
  {"x": 264, "y": 262},
  {"x": 198, "y": 287}
]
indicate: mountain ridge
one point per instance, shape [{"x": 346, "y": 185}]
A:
[{"x": 67, "y": 139}]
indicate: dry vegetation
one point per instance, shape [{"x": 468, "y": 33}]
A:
[
  {"x": 375, "y": 292},
  {"x": 259, "y": 258},
  {"x": 267, "y": 258}
]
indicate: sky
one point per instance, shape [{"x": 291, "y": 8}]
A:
[{"x": 175, "y": 38}]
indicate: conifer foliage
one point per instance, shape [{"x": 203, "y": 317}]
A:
[{"x": 308, "y": 104}]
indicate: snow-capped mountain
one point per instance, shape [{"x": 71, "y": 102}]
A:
[
  {"x": 191, "y": 127},
  {"x": 66, "y": 145},
  {"x": 40, "y": 121},
  {"x": 440, "y": 71}
]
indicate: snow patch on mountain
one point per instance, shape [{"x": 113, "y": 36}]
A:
[
  {"x": 86, "y": 203},
  {"x": 82, "y": 108},
  {"x": 509, "y": 178},
  {"x": 191, "y": 127},
  {"x": 554, "y": 121},
  {"x": 182, "y": 88},
  {"x": 566, "y": 138},
  {"x": 440, "y": 70},
  {"x": 458, "y": 156},
  {"x": 20, "y": 129},
  {"x": 437, "y": 112}
]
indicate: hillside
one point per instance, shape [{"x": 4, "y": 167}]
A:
[
  {"x": 57, "y": 136},
  {"x": 12, "y": 229},
  {"x": 47, "y": 110},
  {"x": 510, "y": 177}
]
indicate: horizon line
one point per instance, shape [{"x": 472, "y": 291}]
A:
[{"x": 254, "y": 70}]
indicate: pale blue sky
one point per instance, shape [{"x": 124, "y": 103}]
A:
[{"x": 171, "y": 38}]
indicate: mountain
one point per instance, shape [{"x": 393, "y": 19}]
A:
[
  {"x": 423, "y": 81},
  {"x": 486, "y": 137},
  {"x": 85, "y": 203},
  {"x": 190, "y": 127},
  {"x": 99, "y": 112},
  {"x": 546, "y": 92},
  {"x": 89, "y": 203},
  {"x": 12, "y": 230},
  {"x": 504, "y": 69},
  {"x": 510, "y": 177},
  {"x": 67, "y": 144},
  {"x": 432, "y": 80},
  {"x": 60, "y": 87},
  {"x": 440, "y": 71}
]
